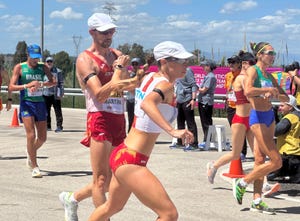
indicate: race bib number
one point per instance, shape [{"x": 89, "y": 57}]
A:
[
  {"x": 37, "y": 93},
  {"x": 231, "y": 96},
  {"x": 114, "y": 105}
]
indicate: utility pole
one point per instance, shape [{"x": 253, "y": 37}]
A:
[
  {"x": 42, "y": 26},
  {"x": 76, "y": 40},
  {"x": 245, "y": 42}
]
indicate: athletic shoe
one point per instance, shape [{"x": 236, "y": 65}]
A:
[
  {"x": 58, "y": 130},
  {"x": 270, "y": 189},
  {"x": 211, "y": 172},
  {"x": 70, "y": 206},
  {"x": 262, "y": 208},
  {"x": 36, "y": 173},
  {"x": 173, "y": 145},
  {"x": 243, "y": 157},
  {"x": 189, "y": 147},
  {"x": 202, "y": 146},
  {"x": 238, "y": 190}
]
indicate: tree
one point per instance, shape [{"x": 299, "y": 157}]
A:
[
  {"x": 137, "y": 52},
  {"x": 63, "y": 61},
  {"x": 134, "y": 51},
  {"x": 195, "y": 60},
  {"x": 21, "y": 53},
  {"x": 46, "y": 54},
  {"x": 125, "y": 48},
  {"x": 1, "y": 61}
]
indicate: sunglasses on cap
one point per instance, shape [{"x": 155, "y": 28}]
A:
[
  {"x": 233, "y": 62},
  {"x": 177, "y": 60},
  {"x": 269, "y": 52},
  {"x": 107, "y": 32}
]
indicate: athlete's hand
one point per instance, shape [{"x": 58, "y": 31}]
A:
[
  {"x": 272, "y": 93},
  {"x": 185, "y": 135},
  {"x": 33, "y": 86},
  {"x": 123, "y": 60}
]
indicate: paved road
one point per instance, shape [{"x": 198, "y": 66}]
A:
[{"x": 65, "y": 164}]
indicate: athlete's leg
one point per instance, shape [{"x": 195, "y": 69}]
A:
[
  {"x": 99, "y": 155},
  {"x": 238, "y": 132},
  {"x": 265, "y": 143}
]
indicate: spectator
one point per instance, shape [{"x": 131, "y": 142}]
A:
[
  {"x": 5, "y": 78},
  {"x": 28, "y": 78},
  {"x": 53, "y": 96},
  {"x": 186, "y": 92},
  {"x": 235, "y": 65},
  {"x": 206, "y": 97},
  {"x": 135, "y": 63},
  {"x": 296, "y": 81},
  {"x": 287, "y": 132}
]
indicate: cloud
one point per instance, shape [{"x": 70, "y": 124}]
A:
[
  {"x": 181, "y": 21},
  {"x": 67, "y": 13},
  {"x": 231, "y": 7},
  {"x": 17, "y": 22},
  {"x": 2, "y": 5},
  {"x": 179, "y": 2}
]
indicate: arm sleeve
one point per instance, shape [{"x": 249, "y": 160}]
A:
[
  {"x": 282, "y": 127},
  {"x": 191, "y": 79}
]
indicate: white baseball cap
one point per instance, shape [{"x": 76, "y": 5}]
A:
[
  {"x": 292, "y": 102},
  {"x": 100, "y": 22},
  {"x": 173, "y": 49}
]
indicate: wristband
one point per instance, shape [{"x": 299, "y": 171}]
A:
[
  {"x": 9, "y": 99},
  {"x": 24, "y": 86},
  {"x": 41, "y": 84},
  {"x": 119, "y": 66},
  {"x": 194, "y": 99}
]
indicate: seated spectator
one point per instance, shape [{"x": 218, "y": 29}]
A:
[{"x": 288, "y": 142}]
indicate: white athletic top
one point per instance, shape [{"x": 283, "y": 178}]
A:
[{"x": 142, "y": 120}]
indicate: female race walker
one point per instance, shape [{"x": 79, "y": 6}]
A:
[
  {"x": 260, "y": 88},
  {"x": 240, "y": 121},
  {"x": 154, "y": 112},
  {"x": 240, "y": 125}
]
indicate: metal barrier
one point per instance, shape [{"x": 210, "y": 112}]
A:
[{"x": 219, "y": 98}]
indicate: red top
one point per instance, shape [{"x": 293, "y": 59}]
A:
[{"x": 240, "y": 97}]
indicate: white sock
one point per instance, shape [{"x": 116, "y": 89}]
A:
[
  {"x": 257, "y": 201},
  {"x": 243, "y": 183},
  {"x": 72, "y": 199}
]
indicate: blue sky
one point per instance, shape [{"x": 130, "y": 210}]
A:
[{"x": 209, "y": 25}]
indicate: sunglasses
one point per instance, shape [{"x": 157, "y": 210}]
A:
[
  {"x": 233, "y": 62},
  {"x": 135, "y": 64},
  {"x": 107, "y": 32},
  {"x": 271, "y": 53},
  {"x": 177, "y": 60},
  {"x": 49, "y": 61}
]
